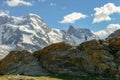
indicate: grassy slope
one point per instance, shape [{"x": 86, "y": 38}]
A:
[
  {"x": 14, "y": 77},
  {"x": 52, "y": 77}
]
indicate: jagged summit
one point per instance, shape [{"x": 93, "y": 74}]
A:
[
  {"x": 33, "y": 15},
  {"x": 80, "y": 33},
  {"x": 71, "y": 29}
]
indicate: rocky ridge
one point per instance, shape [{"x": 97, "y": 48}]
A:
[{"x": 91, "y": 58}]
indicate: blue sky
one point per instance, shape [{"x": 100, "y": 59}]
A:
[{"x": 82, "y": 12}]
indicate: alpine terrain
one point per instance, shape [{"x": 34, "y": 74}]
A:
[{"x": 31, "y": 33}]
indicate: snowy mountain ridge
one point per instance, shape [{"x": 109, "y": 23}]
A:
[{"x": 31, "y": 33}]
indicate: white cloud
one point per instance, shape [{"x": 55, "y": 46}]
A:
[
  {"x": 4, "y": 13},
  {"x": 71, "y": 18},
  {"x": 13, "y": 3},
  {"x": 110, "y": 29},
  {"x": 52, "y": 4},
  {"x": 103, "y": 13}
]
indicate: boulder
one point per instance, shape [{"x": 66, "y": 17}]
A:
[
  {"x": 89, "y": 58},
  {"x": 21, "y": 62},
  {"x": 99, "y": 57},
  {"x": 61, "y": 58}
]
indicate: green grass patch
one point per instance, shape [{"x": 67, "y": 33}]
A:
[{"x": 54, "y": 77}]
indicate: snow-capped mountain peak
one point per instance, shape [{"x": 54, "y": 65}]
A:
[
  {"x": 31, "y": 15},
  {"x": 31, "y": 33}
]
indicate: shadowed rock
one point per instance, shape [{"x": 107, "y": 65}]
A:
[
  {"x": 89, "y": 58},
  {"x": 21, "y": 62}
]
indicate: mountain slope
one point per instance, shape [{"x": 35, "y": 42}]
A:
[
  {"x": 24, "y": 32},
  {"x": 31, "y": 33}
]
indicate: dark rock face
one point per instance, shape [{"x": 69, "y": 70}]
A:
[{"x": 21, "y": 62}]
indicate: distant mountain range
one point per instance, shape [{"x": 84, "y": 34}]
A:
[{"x": 32, "y": 33}]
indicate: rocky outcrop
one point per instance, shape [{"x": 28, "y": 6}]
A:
[
  {"x": 101, "y": 61},
  {"x": 91, "y": 58},
  {"x": 21, "y": 62}
]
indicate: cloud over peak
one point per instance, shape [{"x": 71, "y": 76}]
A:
[
  {"x": 110, "y": 29},
  {"x": 71, "y": 18},
  {"x": 13, "y": 3},
  {"x": 103, "y": 13}
]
